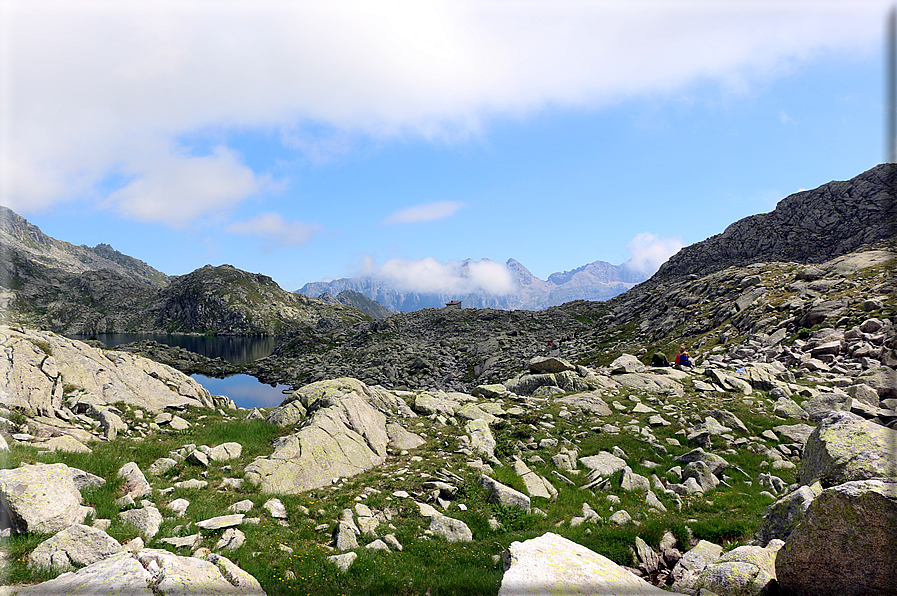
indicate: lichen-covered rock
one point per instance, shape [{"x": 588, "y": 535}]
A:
[
  {"x": 135, "y": 483},
  {"x": 146, "y": 519},
  {"x": 550, "y": 364},
  {"x": 591, "y": 402},
  {"x": 400, "y": 439},
  {"x": 845, "y": 447},
  {"x": 504, "y": 495},
  {"x": 845, "y": 544},
  {"x": 481, "y": 439},
  {"x": 693, "y": 563},
  {"x": 453, "y": 530},
  {"x": 343, "y": 435},
  {"x": 226, "y": 451},
  {"x": 75, "y": 546},
  {"x": 552, "y": 564},
  {"x": 784, "y": 515},
  {"x": 743, "y": 571},
  {"x": 40, "y": 498},
  {"x": 36, "y": 365}
]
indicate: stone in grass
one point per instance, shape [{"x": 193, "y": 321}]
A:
[
  {"x": 504, "y": 495},
  {"x": 621, "y": 518},
  {"x": 179, "y": 506},
  {"x": 344, "y": 561},
  {"x": 241, "y": 506},
  {"x": 161, "y": 465},
  {"x": 232, "y": 539},
  {"x": 221, "y": 521},
  {"x": 377, "y": 545},
  {"x": 693, "y": 563},
  {"x": 344, "y": 537},
  {"x": 275, "y": 508},
  {"x": 554, "y": 564},
  {"x": 147, "y": 520},
  {"x": 392, "y": 542},
  {"x": 75, "y": 546},
  {"x": 453, "y": 530},
  {"x": 135, "y": 483}
]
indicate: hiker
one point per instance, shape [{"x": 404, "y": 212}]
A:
[
  {"x": 682, "y": 358},
  {"x": 659, "y": 359}
]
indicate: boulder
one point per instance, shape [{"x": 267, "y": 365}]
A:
[
  {"x": 220, "y": 521},
  {"x": 825, "y": 403},
  {"x": 504, "y": 495},
  {"x": 716, "y": 463},
  {"x": 481, "y": 439},
  {"x": 226, "y": 451},
  {"x": 604, "y": 463},
  {"x": 883, "y": 379},
  {"x": 846, "y": 447},
  {"x": 654, "y": 383},
  {"x": 551, "y": 364},
  {"x": 68, "y": 444},
  {"x": 845, "y": 544},
  {"x": 453, "y": 530},
  {"x": 553, "y": 564},
  {"x": 627, "y": 363},
  {"x": 743, "y": 571},
  {"x": 591, "y": 402},
  {"x": 134, "y": 483},
  {"x": 40, "y": 498},
  {"x": 75, "y": 546},
  {"x": 147, "y": 520},
  {"x": 693, "y": 563},
  {"x": 343, "y": 435},
  {"x": 784, "y": 515}
]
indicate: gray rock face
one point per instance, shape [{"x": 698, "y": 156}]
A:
[
  {"x": 693, "y": 563},
  {"x": 342, "y": 436},
  {"x": 505, "y": 495},
  {"x": 846, "y": 447},
  {"x": 40, "y": 498},
  {"x": 745, "y": 570},
  {"x": 76, "y": 546},
  {"x": 833, "y": 219},
  {"x": 845, "y": 544},
  {"x": 554, "y": 564},
  {"x": 453, "y": 530},
  {"x": 588, "y": 401},
  {"x": 147, "y": 520},
  {"x": 540, "y": 364},
  {"x": 481, "y": 439},
  {"x": 605, "y": 464},
  {"x": 784, "y": 515},
  {"x": 39, "y": 363},
  {"x": 401, "y": 439},
  {"x": 135, "y": 483}
]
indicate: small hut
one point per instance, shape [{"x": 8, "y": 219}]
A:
[{"x": 453, "y": 304}]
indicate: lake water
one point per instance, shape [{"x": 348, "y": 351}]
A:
[
  {"x": 245, "y": 390},
  {"x": 235, "y": 349}
]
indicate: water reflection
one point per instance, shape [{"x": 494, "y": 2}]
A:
[
  {"x": 245, "y": 390},
  {"x": 234, "y": 349}
]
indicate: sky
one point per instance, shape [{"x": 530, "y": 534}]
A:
[{"x": 310, "y": 141}]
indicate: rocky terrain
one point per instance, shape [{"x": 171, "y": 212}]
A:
[
  {"x": 370, "y": 307},
  {"x": 593, "y": 281},
  {"x": 456, "y": 451}
]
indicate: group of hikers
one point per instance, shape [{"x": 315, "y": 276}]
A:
[{"x": 682, "y": 359}]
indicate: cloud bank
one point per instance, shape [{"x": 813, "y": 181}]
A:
[
  {"x": 650, "y": 251},
  {"x": 455, "y": 278},
  {"x": 102, "y": 88}
]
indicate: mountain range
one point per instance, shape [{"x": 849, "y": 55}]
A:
[{"x": 595, "y": 281}]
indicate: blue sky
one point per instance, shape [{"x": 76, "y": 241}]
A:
[{"x": 309, "y": 141}]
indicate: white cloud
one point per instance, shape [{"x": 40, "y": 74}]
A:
[
  {"x": 95, "y": 87},
  {"x": 276, "y": 231},
  {"x": 456, "y": 278},
  {"x": 427, "y": 212},
  {"x": 176, "y": 189},
  {"x": 650, "y": 251}
]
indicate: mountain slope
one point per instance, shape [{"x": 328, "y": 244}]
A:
[
  {"x": 811, "y": 226},
  {"x": 19, "y": 237},
  {"x": 54, "y": 285},
  {"x": 594, "y": 281}
]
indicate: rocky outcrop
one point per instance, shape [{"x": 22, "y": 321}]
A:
[
  {"x": 845, "y": 544},
  {"x": 75, "y": 546},
  {"x": 554, "y": 564},
  {"x": 810, "y": 226},
  {"x": 41, "y": 372},
  {"x": 342, "y": 433},
  {"x": 151, "y": 572}
]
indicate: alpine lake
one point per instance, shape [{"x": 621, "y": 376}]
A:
[{"x": 245, "y": 390}]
